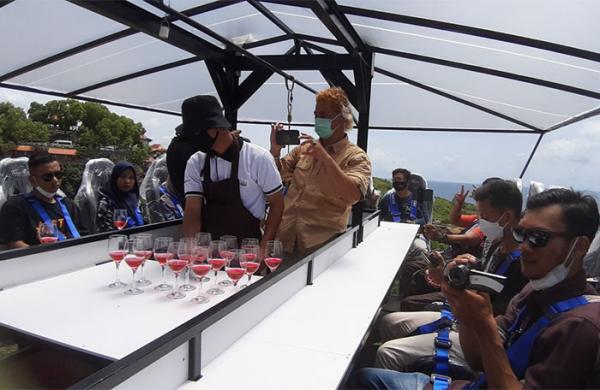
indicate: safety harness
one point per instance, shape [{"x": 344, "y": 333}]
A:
[{"x": 35, "y": 203}]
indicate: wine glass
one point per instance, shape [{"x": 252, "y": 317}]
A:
[
  {"x": 204, "y": 239},
  {"x": 273, "y": 256},
  {"x": 216, "y": 262},
  {"x": 146, "y": 252},
  {"x": 226, "y": 251},
  {"x": 162, "y": 253},
  {"x": 200, "y": 268},
  {"x": 177, "y": 265},
  {"x": 120, "y": 218},
  {"x": 48, "y": 232},
  {"x": 249, "y": 242},
  {"x": 186, "y": 252},
  {"x": 233, "y": 267},
  {"x": 134, "y": 259},
  {"x": 117, "y": 249},
  {"x": 250, "y": 261}
]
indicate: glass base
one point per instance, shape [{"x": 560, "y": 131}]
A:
[
  {"x": 200, "y": 299},
  {"x": 143, "y": 282},
  {"x": 187, "y": 287},
  {"x": 118, "y": 284},
  {"x": 176, "y": 295},
  {"x": 163, "y": 287},
  {"x": 215, "y": 291},
  {"x": 133, "y": 291},
  {"x": 243, "y": 286},
  {"x": 225, "y": 283},
  {"x": 205, "y": 279}
]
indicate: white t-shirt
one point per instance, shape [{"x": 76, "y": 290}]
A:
[{"x": 257, "y": 173}]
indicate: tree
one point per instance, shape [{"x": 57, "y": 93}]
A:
[
  {"x": 15, "y": 127},
  {"x": 63, "y": 116}
]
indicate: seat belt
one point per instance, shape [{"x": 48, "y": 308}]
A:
[
  {"x": 46, "y": 218},
  {"x": 519, "y": 350}
]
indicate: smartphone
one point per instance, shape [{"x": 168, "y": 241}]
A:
[{"x": 287, "y": 137}]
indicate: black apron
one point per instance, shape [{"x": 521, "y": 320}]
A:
[{"x": 224, "y": 213}]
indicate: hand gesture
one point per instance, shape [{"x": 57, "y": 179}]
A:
[{"x": 460, "y": 196}]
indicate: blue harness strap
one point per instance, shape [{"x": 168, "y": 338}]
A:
[
  {"x": 46, "y": 218},
  {"x": 443, "y": 322},
  {"x": 138, "y": 220},
  {"x": 395, "y": 210},
  {"x": 178, "y": 208},
  {"x": 508, "y": 261},
  {"x": 519, "y": 350}
]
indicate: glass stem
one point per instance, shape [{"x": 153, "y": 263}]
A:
[
  {"x": 216, "y": 278},
  {"x": 133, "y": 279},
  {"x": 176, "y": 281},
  {"x": 143, "y": 263},
  {"x": 164, "y": 281},
  {"x": 200, "y": 289},
  {"x": 117, "y": 272}
]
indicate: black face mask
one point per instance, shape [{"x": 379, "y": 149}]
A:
[
  {"x": 399, "y": 185},
  {"x": 205, "y": 141}
]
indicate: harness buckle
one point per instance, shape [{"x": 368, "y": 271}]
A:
[
  {"x": 439, "y": 377},
  {"x": 441, "y": 343}
]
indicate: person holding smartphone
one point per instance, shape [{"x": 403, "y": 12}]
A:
[{"x": 324, "y": 176}]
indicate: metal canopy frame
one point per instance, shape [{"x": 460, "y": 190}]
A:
[{"x": 225, "y": 63}]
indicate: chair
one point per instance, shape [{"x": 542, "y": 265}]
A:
[
  {"x": 96, "y": 173},
  {"x": 535, "y": 187},
  {"x": 150, "y": 190},
  {"x": 14, "y": 178},
  {"x": 418, "y": 186}
]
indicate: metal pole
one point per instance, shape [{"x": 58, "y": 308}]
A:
[{"x": 531, "y": 156}]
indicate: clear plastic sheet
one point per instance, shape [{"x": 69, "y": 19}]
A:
[
  {"x": 96, "y": 173},
  {"x": 14, "y": 177}
]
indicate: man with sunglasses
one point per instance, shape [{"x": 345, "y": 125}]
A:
[
  {"x": 22, "y": 215},
  {"x": 549, "y": 335}
]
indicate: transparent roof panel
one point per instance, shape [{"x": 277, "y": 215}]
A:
[
  {"x": 278, "y": 48},
  {"x": 492, "y": 54},
  {"x": 394, "y": 103},
  {"x": 300, "y": 20},
  {"x": 181, "y": 5},
  {"x": 565, "y": 22},
  {"x": 269, "y": 103},
  {"x": 124, "y": 56},
  {"x": 163, "y": 90},
  {"x": 58, "y": 27},
  {"x": 533, "y": 104}
]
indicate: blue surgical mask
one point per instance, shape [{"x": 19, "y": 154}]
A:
[
  {"x": 557, "y": 274},
  {"x": 323, "y": 127}
]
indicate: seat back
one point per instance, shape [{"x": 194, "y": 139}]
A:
[
  {"x": 150, "y": 190},
  {"x": 96, "y": 173},
  {"x": 591, "y": 261},
  {"x": 14, "y": 177},
  {"x": 417, "y": 184},
  {"x": 535, "y": 187}
]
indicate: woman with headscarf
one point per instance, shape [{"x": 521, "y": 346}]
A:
[{"x": 120, "y": 192}]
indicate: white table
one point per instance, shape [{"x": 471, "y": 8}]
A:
[
  {"x": 79, "y": 310},
  {"x": 309, "y": 341}
]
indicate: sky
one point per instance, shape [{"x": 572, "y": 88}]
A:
[{"x": 567, "y": 157}]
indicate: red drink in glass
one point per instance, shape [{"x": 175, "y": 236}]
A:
[
  {"x": 120, "y": 224},
  {"x": 216, "y": 264},
  {"x": 48, "y": 240},
  {"x": 252, "y": 267},
  {"x": 273, "y": 262},
  {"x": 177, "y": 265},
  {"x": 162, "y": 258},
  {"x": 117, "y": 256},
  {"x": 134, "y": 261},
  {"x": 201, "y": 270},
  {"x": 235, "y": 274}
]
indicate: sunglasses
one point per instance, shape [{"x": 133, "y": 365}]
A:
[
  {"x": 536, "y": 238},
  {"x": 47, "y": 177}
]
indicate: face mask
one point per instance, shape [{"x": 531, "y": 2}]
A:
[
  {"x": 323, "y": 127},
  {"x": 492, "y": 230},
  {"x": 47, "y": 194},
  {"x": 399, "y": 185},
  {"x": 205, "y": 141},
  {"x": 557, "y": 274}
]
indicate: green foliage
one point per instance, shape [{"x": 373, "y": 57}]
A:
[
  {"x": 71, "y": 181},
  {"x": 383, "y": 185},
  {"x": 15, "y": 127},
  {"x": 442, "y": 207}
]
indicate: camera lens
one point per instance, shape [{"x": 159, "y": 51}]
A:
[{"x": 458, "y": 276}]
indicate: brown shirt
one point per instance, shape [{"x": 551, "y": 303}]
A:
[
  {"x": 564, "y": 353},
  {"x": 314, "y": 211}
]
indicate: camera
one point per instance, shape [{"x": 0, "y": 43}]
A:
[
  {"x": 287, "y": 137},
  {"x": 462, "y": 276}
]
